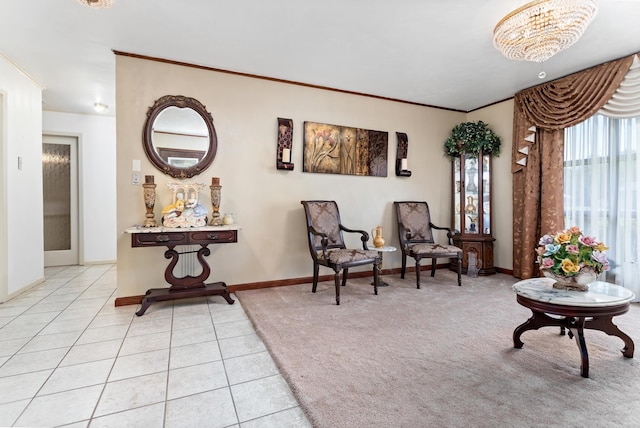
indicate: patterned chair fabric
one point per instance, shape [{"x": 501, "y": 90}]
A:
[
  {"x": 327, "y": 247},
  {"x": 338, "y": 256},
  {"x": 415, "y": 231},
  {"x": 325, "y": 218}
]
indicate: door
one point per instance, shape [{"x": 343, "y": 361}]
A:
[{"x": 60, "y": 197}]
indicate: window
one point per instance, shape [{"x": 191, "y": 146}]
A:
[{"x": 601, "y": 184}]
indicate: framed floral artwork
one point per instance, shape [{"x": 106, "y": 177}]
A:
[{"x": 335, "y": 149}]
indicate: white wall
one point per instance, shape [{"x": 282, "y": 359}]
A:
[
  {"x": 96, "y": 177},
  {"x": 266, "y": 202},
  {"x": 22, "y": 249}
]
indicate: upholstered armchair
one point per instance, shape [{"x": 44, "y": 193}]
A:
[
  {"x": 415, "y": 231},
  {"x": 328, "y": 248}
]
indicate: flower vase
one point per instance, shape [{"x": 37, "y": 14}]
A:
[
  {"x": 578, "y": 282},
  {"x": 149, "y": 201}
]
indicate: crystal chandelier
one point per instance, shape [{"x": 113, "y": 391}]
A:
[
  {"x": 540, "y": 29},
  {"x": 97, "y": 4}
]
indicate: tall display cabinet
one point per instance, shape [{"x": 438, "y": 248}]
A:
[{"x": 472, "y": 210}]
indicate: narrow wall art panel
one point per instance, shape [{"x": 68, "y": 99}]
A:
[{"x": 334, "y": 149}]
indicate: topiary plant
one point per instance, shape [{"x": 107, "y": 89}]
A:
[{"x": 471, "y": 138}]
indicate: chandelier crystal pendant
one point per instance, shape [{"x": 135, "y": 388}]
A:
[
  {"x": 540, "y": 29},
  {"x": 97, "y": 4}
]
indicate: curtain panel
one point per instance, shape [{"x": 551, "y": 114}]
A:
[{"x": 540, "y": 115}]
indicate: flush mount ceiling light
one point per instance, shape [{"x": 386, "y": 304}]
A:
[
  {"x": 540, "y": 29},
  {"x": 97, "y": 4},
  {"x": 100, "y": 108}
]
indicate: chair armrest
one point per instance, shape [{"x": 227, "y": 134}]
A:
[
  {"x": 364, "y": 238},
  {"x": 324, "y": 241},
  {"x": 405, "y": 234},
  {"x": 449, "y": 230}
]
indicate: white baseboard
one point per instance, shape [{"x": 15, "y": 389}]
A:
[
  {"x": 25, "y": 288},
  {"x": 99, "y": 262}
]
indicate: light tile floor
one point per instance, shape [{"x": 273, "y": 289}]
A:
[{"x": 69, "y": 357}]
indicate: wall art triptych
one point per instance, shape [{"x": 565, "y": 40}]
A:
[{"x": 334, "y": 149}]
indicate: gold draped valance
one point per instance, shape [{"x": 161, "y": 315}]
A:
[{"x": 572, "y": 99}]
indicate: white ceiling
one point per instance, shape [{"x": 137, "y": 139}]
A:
[{"x": 432, "y": 52}]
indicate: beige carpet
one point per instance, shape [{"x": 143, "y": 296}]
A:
[{"x": 441, "y": 356}]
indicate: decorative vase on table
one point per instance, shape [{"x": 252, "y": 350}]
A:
[
  {"x": 579, "y": 282},
  {"x": 572, "y": 258},
  {"x": 227, "y": 219},
  {"x": 378, "y": 240}
]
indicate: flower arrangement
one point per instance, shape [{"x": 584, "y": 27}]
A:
[{"x": 568, "y": 252}]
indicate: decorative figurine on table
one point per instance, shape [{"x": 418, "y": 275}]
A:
[{"x": 185, "y": 211}]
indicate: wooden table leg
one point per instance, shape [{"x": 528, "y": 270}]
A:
[
  {"x": 537, "y": 320},
  {"x": 381, "y": 283},
  {"x": 606, "y": 325},
  {"x": 576, "y": 327}
]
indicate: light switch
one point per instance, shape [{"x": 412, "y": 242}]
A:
[
  {"x": 135, "y": 165},
  {"x": 19, "y": 163}
]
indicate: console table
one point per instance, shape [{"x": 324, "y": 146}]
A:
[
  {"x": 577, "y": 310},
  {"x": 187, "y": 286}
]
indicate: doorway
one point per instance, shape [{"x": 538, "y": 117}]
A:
[
  {"x": 60, "y": 199},
  {"x": 4, "y": 286}
]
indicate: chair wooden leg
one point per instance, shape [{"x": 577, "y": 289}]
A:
[
  {"x": 418, "y": 273},
  {"x": 404, "y": 265},
  {"x": 345, "y": 274},
  {"x": 337, "y": 281},
  {"x": 316, "y": 268},
  {"x": 459, "y": 270},
  {"x": 433, "y": 267}
]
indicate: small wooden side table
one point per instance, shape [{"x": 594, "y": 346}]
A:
[{"x": 381, "y": 251}]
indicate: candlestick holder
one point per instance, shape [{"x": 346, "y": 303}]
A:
[
  {"x": 283, "y": 149},
  {"x": 401, "y": 155},
  {"x": 216, "y": 193},
  {"x": 149, "y": 201}
]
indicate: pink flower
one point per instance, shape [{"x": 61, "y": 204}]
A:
[
  {"x": 547, "y": 262},
  {"x": 573, "y": 249},
  {"x": 589, "y": 241}
]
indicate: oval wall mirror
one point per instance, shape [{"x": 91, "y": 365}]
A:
[{"x": 179, "y": 138}]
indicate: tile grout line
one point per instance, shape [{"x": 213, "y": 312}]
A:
[
  {"x": 35, "y": 395},
  {"x": 67, "y": 353},
  {"x": 224, "y": 365},
  {"x": 166, "y": 388}
]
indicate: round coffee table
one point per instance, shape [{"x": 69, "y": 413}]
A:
[{"x": 577, "y": 310}]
